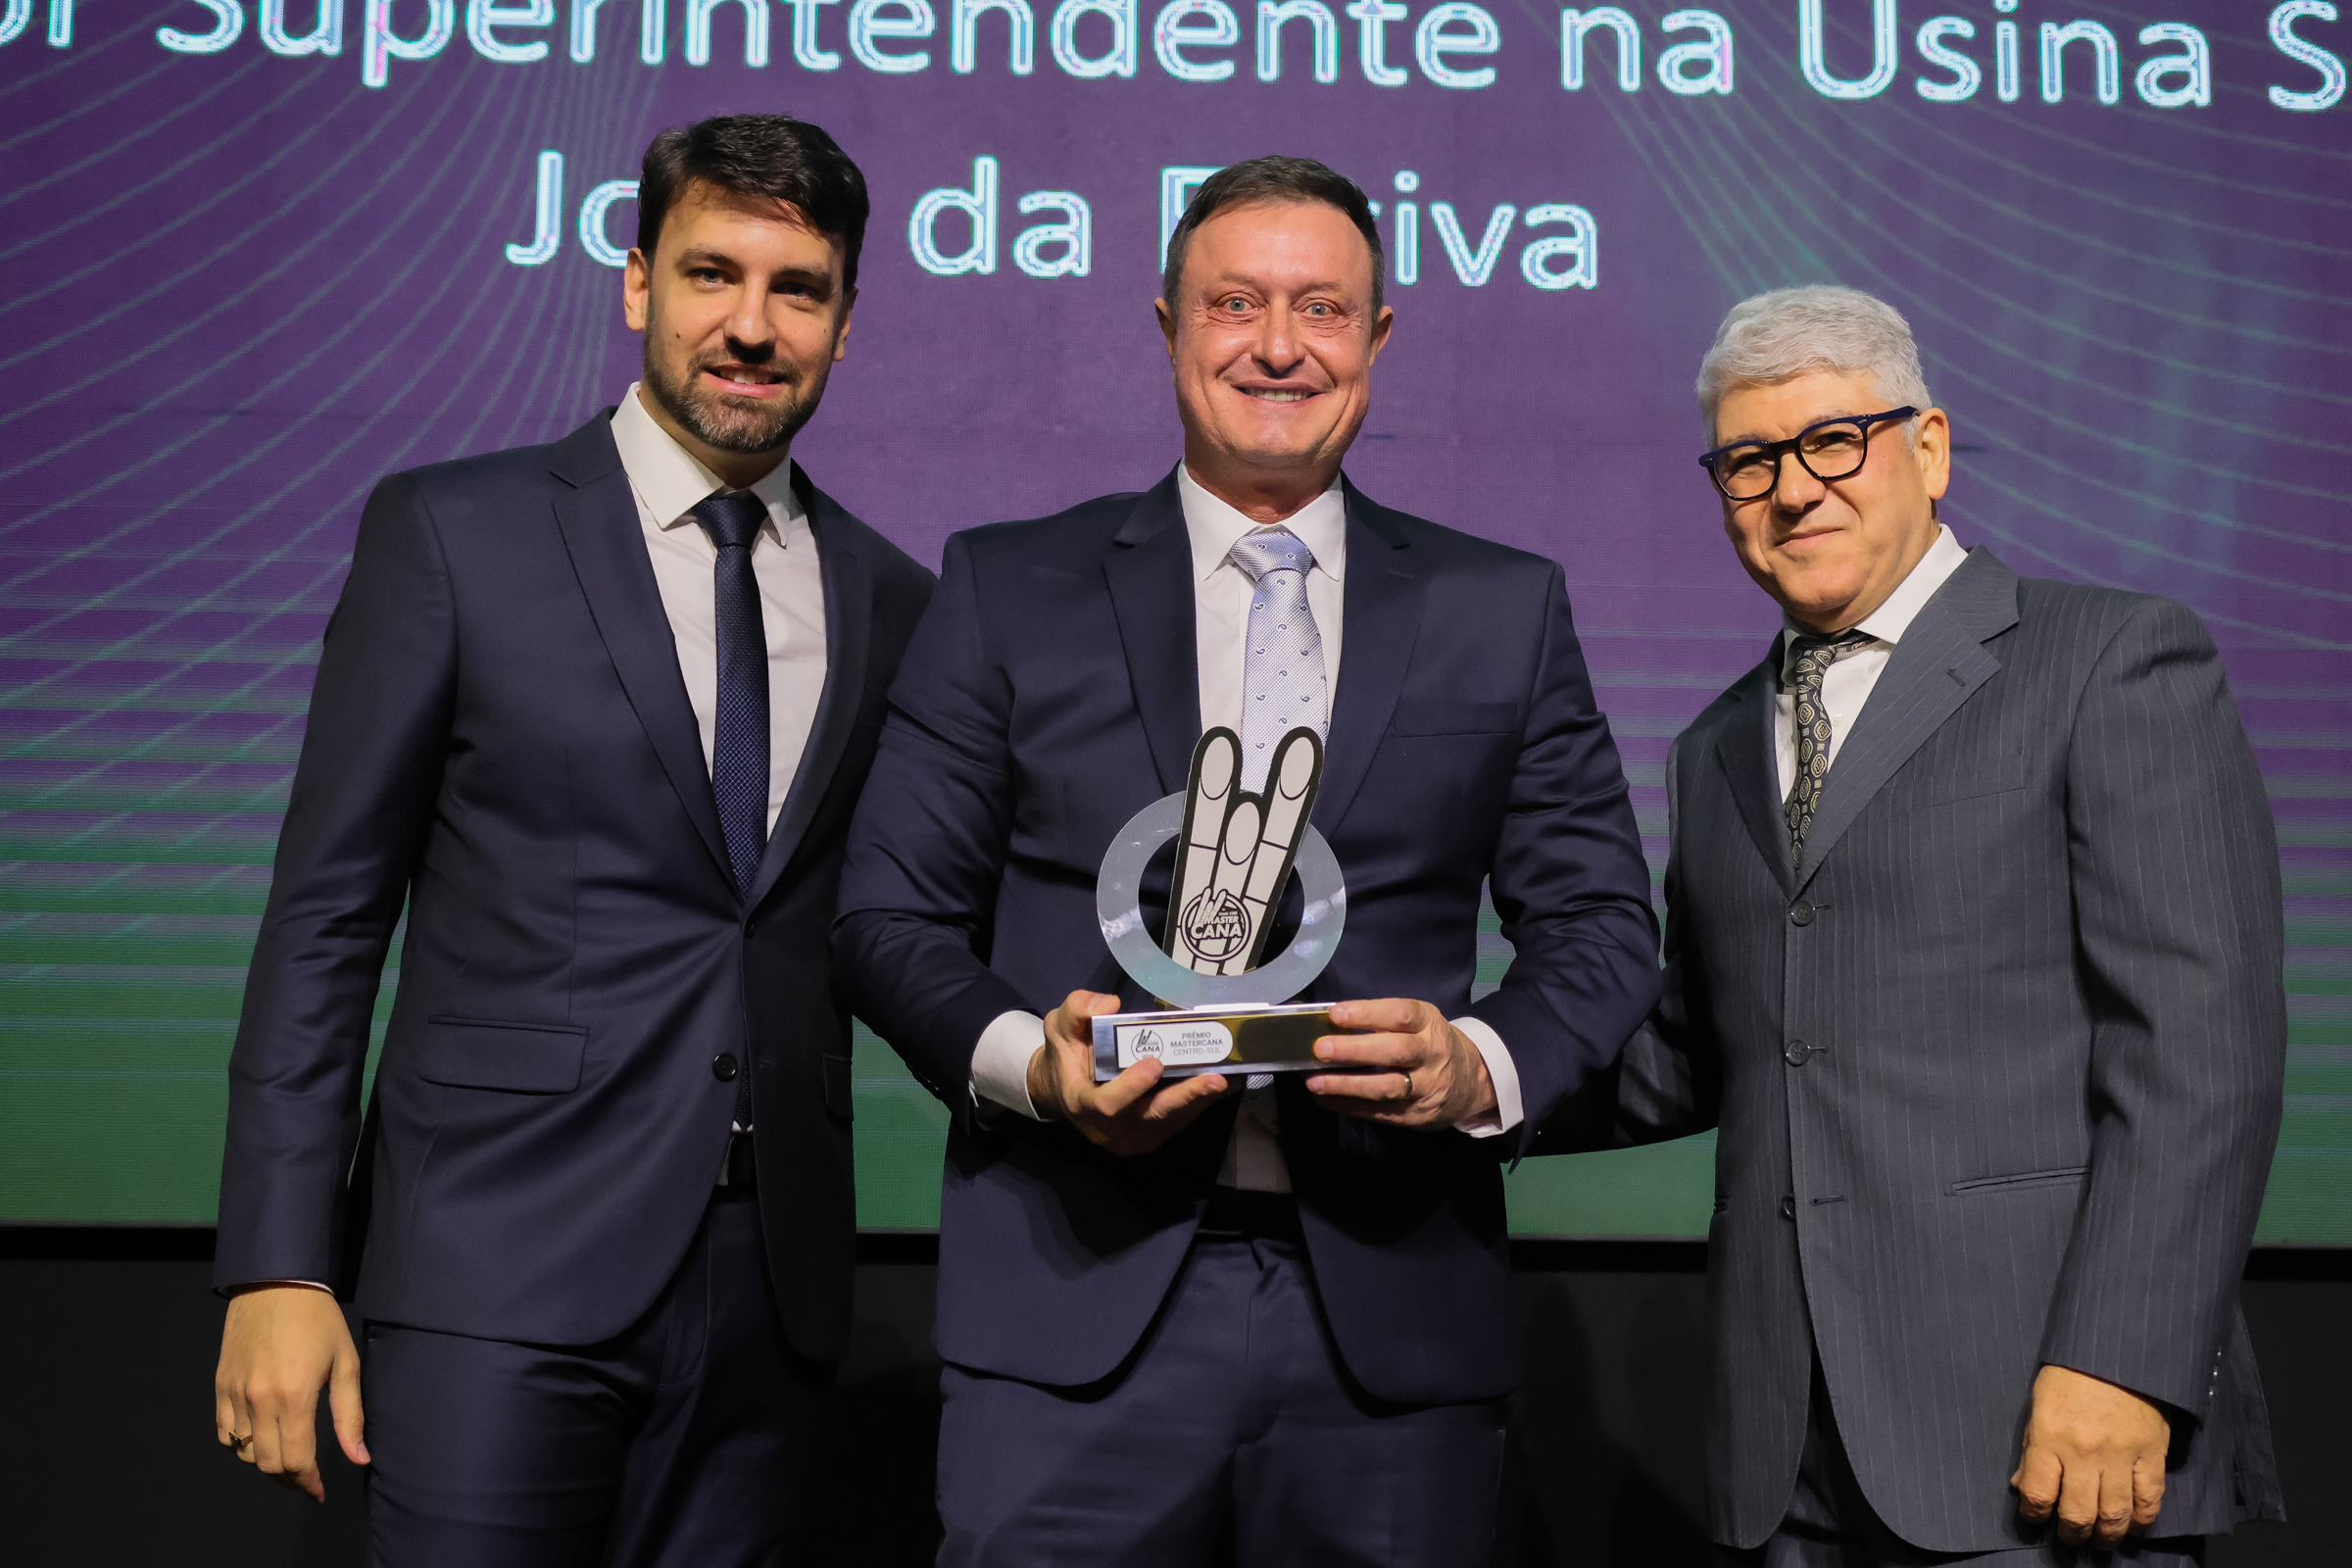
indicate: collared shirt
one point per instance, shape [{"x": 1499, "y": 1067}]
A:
[
  {"x": 668, "y": 482},
  {"x": 1221, "y": 595},
  {"x": 1847, "y": 683}
]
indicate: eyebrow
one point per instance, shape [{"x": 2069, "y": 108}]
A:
[
  {"x": 1237, "y": 280},
  {"x": 1765, "y": 440}
]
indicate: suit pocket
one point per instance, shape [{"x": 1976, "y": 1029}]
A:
[
  {"x": 530, "y": 1059},
  {"x": 2019, "y": 1178},
  {"x": 839, "y": 1102},
  {"x": 1454, "y": 719},
  {"x": 1999, "y": 777}
]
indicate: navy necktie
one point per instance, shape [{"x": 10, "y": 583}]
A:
[{"x": 739, "y": 769}]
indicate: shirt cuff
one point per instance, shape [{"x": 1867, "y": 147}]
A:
[
  {"x": 1508, "y": 1112},
  {"x": 262, "y": 1285},
  {"x": 1000, "y": 1061}
]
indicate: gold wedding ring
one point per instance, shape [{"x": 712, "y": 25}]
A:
[{"x": 240, "y": 1442}]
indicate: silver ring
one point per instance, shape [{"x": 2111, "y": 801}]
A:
[{"x": 1408, "y": 1086}]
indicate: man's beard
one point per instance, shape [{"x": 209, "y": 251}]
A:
[{"x": 747, "y": 428}]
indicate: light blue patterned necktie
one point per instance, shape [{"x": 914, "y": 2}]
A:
[{"x": 1283, "y": 685}]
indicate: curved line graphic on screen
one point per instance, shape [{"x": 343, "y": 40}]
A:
[{"x": 269, "y": 286}]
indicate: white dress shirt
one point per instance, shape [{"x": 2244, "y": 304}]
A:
[
  {"x": 1221, "y": 595},
  {"x": 668, "y": 481},
  {"x": 1847, "y": 683}
]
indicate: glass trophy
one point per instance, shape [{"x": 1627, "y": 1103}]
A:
[{"x": 1223, "y": 1006}]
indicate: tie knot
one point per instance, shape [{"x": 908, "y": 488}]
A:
[
  {"x": 1270, "y": 550},
  {"x": 730, "y": 518},
  {"x": 1821, "y": 652}
]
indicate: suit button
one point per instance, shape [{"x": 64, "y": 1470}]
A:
[
  {"x": 722, "y": 1067},
  {"x": 1789, "y": 1208},
  {"x": 1800, "y": 913},
  {"x": 1797, "y": 1053}
]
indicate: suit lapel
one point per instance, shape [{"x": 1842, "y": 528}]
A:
[
  {"x": 1937, "y": 665},
  {"x": 1150, "y": 569},
  {"x": 1745, "y": 747},
  {"x": 849, "y": 625},
  {"x": 1382, "y": 621},
  {"x": 598, "y": 517}
]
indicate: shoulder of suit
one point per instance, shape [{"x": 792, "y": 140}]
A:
[
  {"x": 2093, "y": 613},
  {"x": 461, "y": 475},
  {"x": 1454, "y": 547},
  {"x": 1712, "y": 717},
  {"x": 1087, "y": 524},
  {"x": 883, "y": 558}
]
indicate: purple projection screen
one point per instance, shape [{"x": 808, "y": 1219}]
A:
[{"x": 262, "y": 252}]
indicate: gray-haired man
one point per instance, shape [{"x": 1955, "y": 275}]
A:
[{"x": 1973, "y": 953}]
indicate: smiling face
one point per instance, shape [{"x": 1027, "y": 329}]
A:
[
  {"x": 744, "y": 312},
  {"x": 1832, "y": 553},
  {"x": 1272, "y": 338}
]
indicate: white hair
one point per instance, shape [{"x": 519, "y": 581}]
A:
[{"x": 1789, "y": 332}]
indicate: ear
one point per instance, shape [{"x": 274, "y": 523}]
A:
[
  {"x": 1381, "y": 323},
  {"x": 1167, "y": 325},
  {"x": 636, "y": 289},
  {"x": 841, "y": 334},
  {"x": 1932, "y": 450}
]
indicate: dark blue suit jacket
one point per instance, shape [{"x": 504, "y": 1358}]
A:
[
  {"x": 1049, "y": 694},
  {"x": 500, "y": 737}
]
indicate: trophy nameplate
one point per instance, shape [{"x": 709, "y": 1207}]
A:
[{"x": 1222, "y": 1009}]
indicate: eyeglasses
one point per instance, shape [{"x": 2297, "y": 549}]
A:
[{"x": 1833, "y": 449}]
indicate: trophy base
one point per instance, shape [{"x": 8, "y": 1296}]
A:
[{"x": 1190, "y": 1042}]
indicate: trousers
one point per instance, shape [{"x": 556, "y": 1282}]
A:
[
  {"x": 686, "y": 1440},
  {"x": 1234, "y": 1419}
]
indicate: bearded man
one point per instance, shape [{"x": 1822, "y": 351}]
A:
[{"x": 595, "y": 713}]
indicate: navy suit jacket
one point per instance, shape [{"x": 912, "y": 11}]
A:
[
  {"x": 1050, "y": 693},
  {"x": 1997, "y": 1070},
  {"x": 500, "y": 738}
]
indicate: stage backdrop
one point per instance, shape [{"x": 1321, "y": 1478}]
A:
[{"x": 260, "y": 252}]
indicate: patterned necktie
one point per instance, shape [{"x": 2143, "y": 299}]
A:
[
  {"x": 739, "y": 740},
  {"x": 1283, "y": 686},
  {"x": 1810, "y": 664}
]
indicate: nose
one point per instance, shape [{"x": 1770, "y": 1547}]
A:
[
  {"x": 1793, "y": 487},
  {"x": 1278, "y": 351},
  {"x": 749, "y": 332}
]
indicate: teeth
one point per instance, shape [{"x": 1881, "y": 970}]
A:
[{"x": 1281, "y": 397}]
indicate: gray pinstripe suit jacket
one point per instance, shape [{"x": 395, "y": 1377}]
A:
[{"x": 1997, "y": 1071}]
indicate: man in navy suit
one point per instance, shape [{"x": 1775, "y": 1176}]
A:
[
  {"x": 596, "y": 714},
  {"x": 1279, "y": 1310}
]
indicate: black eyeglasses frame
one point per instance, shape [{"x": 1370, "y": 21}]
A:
[{"x": 1775, "y": 450}]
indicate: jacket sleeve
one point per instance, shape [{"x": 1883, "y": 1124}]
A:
[
  {"x": 927, "y": 848},
  {"x": 1668, "y": 1082},
  {"x": 364, "y": 794},
  {"x": 2179, "y": 933},
  {"x": 1572, "y": 888}
]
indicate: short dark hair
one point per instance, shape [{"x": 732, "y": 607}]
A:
[
  {"x": 757, "y": 155},
  {"x": 1274, "y": 178}
]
